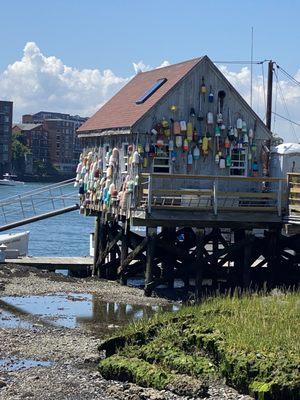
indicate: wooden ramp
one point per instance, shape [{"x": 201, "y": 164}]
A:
[{"x": 53, "y": 263}]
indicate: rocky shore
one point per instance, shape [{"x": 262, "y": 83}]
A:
[{"x": 45, "y": 361}]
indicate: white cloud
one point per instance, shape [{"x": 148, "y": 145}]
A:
[
  {"x": 142, "y": 67},
  {"x": 286, "y": 96},
  {"x": 38, "y": 82}
]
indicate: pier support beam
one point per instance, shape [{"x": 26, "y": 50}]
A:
[
  {"x": 124, "y": 250},
  {"x": 199, "y": 263},
  {"x": 167, "y": 266},
  {"x": 247, "y": 260},
  {"x": 96, "y": 244},
  {"x": 150, "y": 253},
  {"x": 102, "y": 246}
]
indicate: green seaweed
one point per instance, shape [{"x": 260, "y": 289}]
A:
[{"x": 251, "y": 341}]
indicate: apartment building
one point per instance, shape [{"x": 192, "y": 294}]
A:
[
  {"x": 64, "y": 145},
  {"x": 35, "y": 137},
  {"x": 6, "y": 112}
]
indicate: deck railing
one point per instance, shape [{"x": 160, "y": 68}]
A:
[
  {"x": 294, "y": 196},
  {"x": 211, "y": 193}
]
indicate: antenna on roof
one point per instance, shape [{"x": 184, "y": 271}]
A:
[{"x": 251, "y": 69}]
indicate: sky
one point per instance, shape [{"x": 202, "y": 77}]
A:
[{"x": 73, "y": 55}]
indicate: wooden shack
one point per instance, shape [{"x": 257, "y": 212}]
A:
[{"x": 179, "y": 151}]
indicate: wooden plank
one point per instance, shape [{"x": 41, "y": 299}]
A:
[
  {"x": 57, "y": 262},
  {"x": 109, "y": 248},
  {"x": 212, "y": 177},
  {"x": 258, "y": 195},
  {"x": 233, "y": 208},
  {"x": 133, "y": 254}
]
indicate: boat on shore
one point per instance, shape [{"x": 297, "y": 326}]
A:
[
  {"x": 9, "y": 180},
  {"x": 16, "y": 241}
]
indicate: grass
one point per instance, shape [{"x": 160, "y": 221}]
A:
[{"x": 251, "y": 341}]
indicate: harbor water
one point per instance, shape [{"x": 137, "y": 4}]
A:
[{"x": 63, "y": 235}]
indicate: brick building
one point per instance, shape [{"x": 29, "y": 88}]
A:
[
  {"x": 64, "y": 145},
  {"x": 35, "y": 137},
  {"x": 6, "y": 112}
]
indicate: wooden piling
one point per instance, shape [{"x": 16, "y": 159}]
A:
[
  {"x": 101, "y": 272},
  {"x": 247, "y": 260},
  {"x": 167, "y": 266},
  {"x": 150, "y": 253},
  {"x": 124, "y": 250},
  {"x": 199, "y": 263},
  {"x": 96, "y": 244}
]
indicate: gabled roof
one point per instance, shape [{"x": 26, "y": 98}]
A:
[
  {"x": 121, "y": 111},
  {"x": 27, "y": 127}
]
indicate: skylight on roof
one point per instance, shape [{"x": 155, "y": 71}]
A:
[{"x": 151, "y": 90}]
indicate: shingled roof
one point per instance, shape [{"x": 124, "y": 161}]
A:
[{"x": 121, "y": 111}]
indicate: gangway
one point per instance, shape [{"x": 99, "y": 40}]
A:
[{"x": 40, "y": 203}]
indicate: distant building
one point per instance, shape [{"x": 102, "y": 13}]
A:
[
  {"x": 36, "y": 139},
  {"x": 64, "y": 145},
  {"x": 6, "y": 112}
]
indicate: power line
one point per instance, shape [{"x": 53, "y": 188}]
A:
[
  {"x": 287, "y": 119},
  {"x": 285, "y": 105},
  {"x": 240, "y": 62},
  {"x": 288, "y": 75}
]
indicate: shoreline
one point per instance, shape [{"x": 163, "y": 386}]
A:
[{"x": 72, "y": 353}]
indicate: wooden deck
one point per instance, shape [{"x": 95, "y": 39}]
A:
[{"x": 53, "y": 263}]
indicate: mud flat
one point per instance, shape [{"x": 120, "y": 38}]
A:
[{"x": 50, "y": 329}]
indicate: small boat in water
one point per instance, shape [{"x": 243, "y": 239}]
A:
[
  {"x": 16, "y": 241},
  {"x": 8, "y": 180}
]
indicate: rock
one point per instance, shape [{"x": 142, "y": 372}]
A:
[{"x": 2, "y": 383}]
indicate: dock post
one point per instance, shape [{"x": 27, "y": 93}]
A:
[
  {"x": 124, "y": 249},
  {"x": 102, "y": 247},
  {"x": 247, "y": 260},
  {"x": 199, "y": 263},
  {"x": 96, "y": 244},
  {"x": 150, "y": 252},
  {"x": 167, "y": 268},
  {"x": 239, "y": 236}
]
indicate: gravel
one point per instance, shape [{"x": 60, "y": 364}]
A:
[{"x": 72, "y": 353}]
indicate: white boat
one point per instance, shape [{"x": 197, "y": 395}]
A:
[
  {"x": 8, "y": 180},
  {"x": 16, "y": 241}
]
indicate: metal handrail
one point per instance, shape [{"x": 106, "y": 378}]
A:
[{"x": 38, "y": 191}]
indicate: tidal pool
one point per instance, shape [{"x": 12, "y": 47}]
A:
[
  {"x": 77, "y": 309},
  {"x": 16, "y": 364}
]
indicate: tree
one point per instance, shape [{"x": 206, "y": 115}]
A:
[{"x": 19, "y": 151}]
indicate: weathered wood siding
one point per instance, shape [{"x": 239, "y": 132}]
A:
[{"x": 185, "y": 96}]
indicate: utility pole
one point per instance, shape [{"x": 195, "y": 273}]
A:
[{"x": 269, "y": 94}]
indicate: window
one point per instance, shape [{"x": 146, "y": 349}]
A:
[
  {"x": 239, "y": 162},
  {"x": 6, "y": 118},
  {"x": 161, "y": 163},
  {"x": 151, "y": 90}
]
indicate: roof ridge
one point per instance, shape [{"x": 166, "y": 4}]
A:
[{"x": 172, "y": 65}]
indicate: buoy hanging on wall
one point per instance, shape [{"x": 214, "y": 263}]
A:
[
  {"x": 211, "y": 95},
  {"x": 189, "y": 133},
  {"x": 178, "y": 141},
  {"x": 185, "y": 145},
  {"x": 176, "y": 128},
  {"x": 210, "y": 118},
  {"x": 196, "y": 153},
  {"x": 182, "y": 126},
  {"x": 239, "y": 123}
]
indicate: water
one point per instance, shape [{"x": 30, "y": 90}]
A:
[
  {"x": 16, "y": 364},
  {"x": 73, "y": 310},
  {"x": 64, "y": 235}
]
